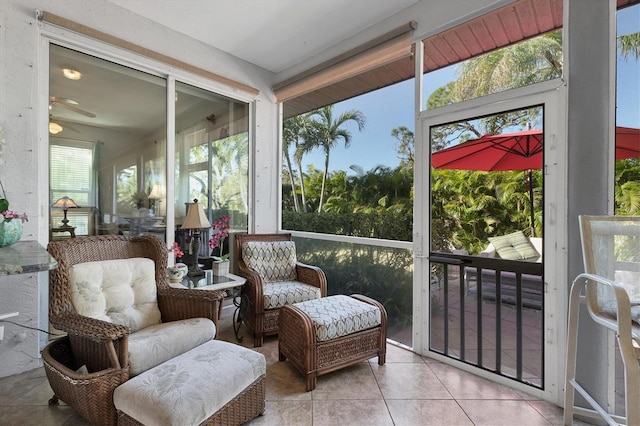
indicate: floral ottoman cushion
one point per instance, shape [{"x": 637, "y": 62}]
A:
[{"x": 190, "y": 388}]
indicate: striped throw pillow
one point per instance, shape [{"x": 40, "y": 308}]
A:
[{"x": 514, "y": 246}]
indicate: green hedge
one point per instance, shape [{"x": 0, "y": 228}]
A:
[{"x": 386, "y": 225}]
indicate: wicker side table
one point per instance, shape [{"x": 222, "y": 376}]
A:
[{"x": 298, "y": 341}]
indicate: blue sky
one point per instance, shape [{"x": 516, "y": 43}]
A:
[
  {"x": 384, "y": 109},
  {"x": 392, "y": 107}
]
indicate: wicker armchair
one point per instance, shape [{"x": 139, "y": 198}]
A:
[
  {"x": 262, "y": 297},
  {"x": 100, "y": 345}
]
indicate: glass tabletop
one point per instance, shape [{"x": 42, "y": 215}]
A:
[{"x": 208, "y": 281}]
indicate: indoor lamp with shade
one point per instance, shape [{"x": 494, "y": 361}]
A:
[
  {"x": 196, "y": 220},
  {"x": 156, "y": 196},
  {"x": 65, "y": 203}
]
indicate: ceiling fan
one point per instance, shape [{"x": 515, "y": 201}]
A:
[
  {"x": 55, "y": 126},
  {"x": 71, "y": 105}
]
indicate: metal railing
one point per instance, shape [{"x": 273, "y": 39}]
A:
[{"x": 489, "y": 313}]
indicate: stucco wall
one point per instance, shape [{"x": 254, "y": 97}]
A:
[{"x": 23, "y": 113}]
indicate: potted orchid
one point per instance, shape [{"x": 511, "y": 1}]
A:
[
  {"x": 178, "y": 271},
  {"x": 220, "y": 265},
  {"x": 10, "y": 222}
]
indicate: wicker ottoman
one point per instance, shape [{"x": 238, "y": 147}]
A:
[
  {"x": 217, "y": 383},
  {"x": 323, "y": 335}
]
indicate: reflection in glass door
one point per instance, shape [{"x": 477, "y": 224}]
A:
[
  {"x": 487, "y": 292},
  {"x": 108, "y": 138},
  {"x": 119, "y": 115},
  {"x": 211, "y": 158}
]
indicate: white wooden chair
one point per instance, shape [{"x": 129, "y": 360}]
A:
[{"x": 610, "y": 288}]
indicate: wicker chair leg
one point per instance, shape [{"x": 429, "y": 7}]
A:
[
  {"x": 258, "y": 340},
  {"x": 312, "y": 381},
  {"x": 53, "y": 400}
]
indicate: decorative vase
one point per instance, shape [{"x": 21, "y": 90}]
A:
[
  {"x": 177, "y": 272},
  {"x": 220, "y": 268},
  {"x": 10, "y": 232}
]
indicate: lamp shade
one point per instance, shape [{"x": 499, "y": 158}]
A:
[
  {"x": 64, "y": 203},
  {"x": 157, "y": 192},
  {"x": 196, "y": 218}
]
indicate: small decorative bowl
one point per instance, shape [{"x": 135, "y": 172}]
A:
[{"x": 177, "y": 272}]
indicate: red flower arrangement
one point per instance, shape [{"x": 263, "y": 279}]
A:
[{"x": 221, "y": 232}]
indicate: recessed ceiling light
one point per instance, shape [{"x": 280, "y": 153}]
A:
[
  {"x": 71, "y": 74},
  {"x": 54, "y": 128}
]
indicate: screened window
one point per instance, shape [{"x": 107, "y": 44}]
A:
[
  {"x": 627, "y": 176},
  {"x": 531, "y": 61},
  {"x": 72, "y": 174}
]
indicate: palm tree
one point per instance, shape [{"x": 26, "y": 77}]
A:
[
  {"x": 629, "y": 44},
  {"x": 532, "y": 61},
  {"x": 327, "y": 131},
  {"x": 290, "y": 135},
  {"x": 298, "y": 131}
]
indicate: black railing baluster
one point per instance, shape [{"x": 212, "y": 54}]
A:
[
  {"x": 479, "y": 317},
  {"x": 498, "y": 321},
  {"x": 519, "y": 326},
  {"x": 446, "y": 318},
  {"x": 462, "y": 329},
  {"x": 498, "y": 324}
]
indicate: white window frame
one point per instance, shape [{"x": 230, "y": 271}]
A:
[
  {"x": 52, "y": 34},
  {"x": 552, "y": 95}
]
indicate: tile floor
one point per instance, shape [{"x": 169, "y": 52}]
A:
[{"x": 407, "y": 390}]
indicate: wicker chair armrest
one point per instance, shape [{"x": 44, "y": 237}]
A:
[
  {"x": 253, "y": 287},
  {"x": 182, "y": 303},
  {"x": 312, "y": 275},
  {"x": 93, "y": 329},
  {"x": 252, "y": 277},
  {"x": 68, "y": 373},
  {"x": 248, "y": 273}
]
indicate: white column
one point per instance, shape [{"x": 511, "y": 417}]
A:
[{"x": 589, "y": 69}]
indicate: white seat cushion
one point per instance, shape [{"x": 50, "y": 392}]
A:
[
  {"x": 337, "y": 316},
  {"x": 188, "y": 389},
  {"x": 278, "y": 294},
  {"x": 154, "y": 345},
  {"x": 121, "y": 291}
]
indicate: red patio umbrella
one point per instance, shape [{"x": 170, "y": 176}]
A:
[
  {"x": 492, "y": 153},
  {"x": 627, "y": 143},
  {"x": 517, "y": 151}
]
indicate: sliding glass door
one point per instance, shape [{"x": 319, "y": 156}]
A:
[{"x": 108, "y": 150}]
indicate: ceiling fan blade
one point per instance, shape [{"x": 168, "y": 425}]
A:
[
  {"x": 63, "y": 100},
  {"x": 74, "y": 109}
]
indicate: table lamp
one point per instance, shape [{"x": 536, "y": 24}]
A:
[
  {"x": 157, "y": 194},
  {"x": 195, "y": 220},
  {"x": 65, "y": 203}
]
